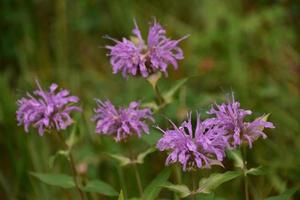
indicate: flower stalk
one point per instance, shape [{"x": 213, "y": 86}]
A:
[{"x": 72, "y": 165}]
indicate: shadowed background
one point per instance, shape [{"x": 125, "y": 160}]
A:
[{"x": 248, "y": 47}]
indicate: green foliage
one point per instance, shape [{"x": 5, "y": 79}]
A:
[
  {"x": 121, "y": 196},
  {"x": 206, "y": 185},
  {"x": 284, "y": 196},
  {"x": 100, "y": 187},
  {"x": 182, "y": 190},
  {"x": 122, "y": 159},
  {"x": 60, "y": 180},
  {"x": 251, "y": 49},
  {"x": 152, "y": 190},
  {"x": 143, "y": 155},
  {"x": 58, "y": 153}
]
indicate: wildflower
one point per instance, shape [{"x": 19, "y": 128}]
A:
[
  {"x": 133, "y": 57},
  {"x": 231, "y": 117},
  {"x": 46, "y": 110},
  {"x": 122, "y": 122},
  {"x": 202, "y": 147}
]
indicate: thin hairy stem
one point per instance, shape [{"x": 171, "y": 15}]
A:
[
  {"x": 136, "y": 171},
  {"x": 246, "y": 188},
  {"x": 194, "y": 184},
  {"x": 138, "y": 179},
  {"x": 158, "y": 95},
  {"x": 72, "y": 164}
]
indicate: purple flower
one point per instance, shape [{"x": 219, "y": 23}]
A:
[
  {"x": 46, "y": 110},
  {"x": 231, "y": 117},
  {"x": 135, "y": 57},
  {"x": 202, "y": 147},
  {"x": 122, "y": 122}
]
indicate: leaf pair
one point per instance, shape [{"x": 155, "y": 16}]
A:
[
  {"x": 123, "y": 161},
  {"x": 206, "y": 185}
]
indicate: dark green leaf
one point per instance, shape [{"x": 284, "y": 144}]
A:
[
  {"x": 72, "y": 138},
  {"x": 152, "y": 190},
  {"x": 182, "y": 190},
  {"x": 210, "y": 196},
  {"x": 206, "y": 185},
  {"x": 285, "y": 195},
  {"x": 257, "y": 171},
  {"x": 122, "y": 159},
  {"x": 58, "y": 153},
  {"x": 168, "y": 96},
  {"x": 100, "y": 187},
  {"x": 141, "y": 156},
  {"x": 236, "y": 156},
  {"x": 60, "y": 180}
]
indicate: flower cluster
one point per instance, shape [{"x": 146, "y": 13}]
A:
[
  {"x": 206, "y": 144},
  {"x": 121, "y": 122},
  {"x": 133, "y": 57},
  {"x": 231, "y": 117},
  {"x": 200, "y": 147},
  {"x": 46, "y": 110}
]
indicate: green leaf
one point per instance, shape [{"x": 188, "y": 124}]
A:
[
  {"x": 211, "y": 196},
  {"x": 72, "y": 138},
  {"x": 58, "y": 153},
  {"x": 141, "y": 156},
  {"x": 206, "y": 185},
  {"x": 182, "y": 190},
  {"x": 154, "y": 78},
  {"x": 236, "y": 156},
  {"x": 100, "y": 187},
  {"x": 122, "y": 159},
  {"x": 168, "y": 96},
  {"x": 152, "y": 190},
  {"x": 258, "y": 171},
  {"x": 285, "y": 195},
  {"x": 121, "y": 196},
  {"x": 60, "y": 180}
]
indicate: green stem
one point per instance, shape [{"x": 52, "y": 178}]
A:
[
  {"x": 246, "y": 188},
  {"x": 159, "y": 97},
  {"x": 138, "y": 179},
  {"x": 136, "y": 171},
  {"x": 72, "y": 164},
  {"x": 194, "y": 185}
]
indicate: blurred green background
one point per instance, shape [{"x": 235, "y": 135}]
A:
[{"x": 248, "y": 47}]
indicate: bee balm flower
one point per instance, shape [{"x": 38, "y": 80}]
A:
[
  {"x": 133, "y": 57},
  {"x": 202, "y": 147},
  {"x": 231, "y": 117},
  {"x": 46, "y": 110},
  {"x": 122, "y": 122}
]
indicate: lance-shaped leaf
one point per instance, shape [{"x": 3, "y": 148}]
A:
[
  {"x": 168, "y": 96},
  {"x": 236, "y": 156},
  {"x": 58, "y": 153},
  {"x": 122, "y": 159},
  {"x": 152, "y": 190},
  {"x": 72, "y": 138},
  {"x": 154, "y": 78},
  {"x": 210, "y": 196},
  {"x": 121, "y": 196},
  {"x": 258, "y": 171},
  {"x": 100, "y": 187},
  {"x": 285, "y": 195},
  {"x": 206, "y": 185},
  {"x": 182, "y": 190},
  {"x": 142, "y": 156},
  {"x": 60, "y": 180}
]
